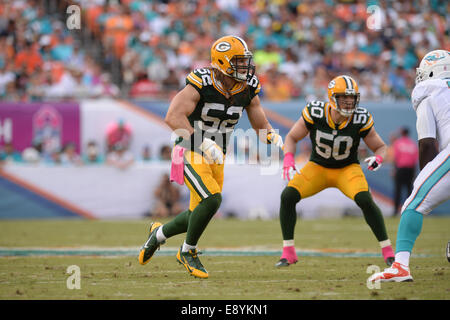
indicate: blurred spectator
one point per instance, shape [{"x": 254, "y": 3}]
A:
[
  {"x": 147, "y": 45},
  {"x": 69, "y": 156},
  {"x": 167, "y": 196},
  {"x": 118, "y": 134},
  {"x": 7, "y": 76},
  {"x": 54, "y": 158},
  {"x": 120, "y": 157},
  {"x": 406, "y": 157},
  {"x": 279, "y": 88},
  {"x": 9, "y": 154},
  {"x": 397, "y": 81},
  {"x": 28, "y": 59},
  {"x": 92, "y": 155},
  {"x": 171, "y": 84},
  {"x": 146, "y": 154},
  {"x": 32, "y": 154},
  {"x": 105, "y": 88},
  {"x": 144, "y": 88},
  {"x": 165, "y": 153}
]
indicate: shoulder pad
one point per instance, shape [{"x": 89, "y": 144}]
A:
[
  {"x": 316, "y": 108},
  {"x": 424, "y": 89},
  {"x": 199, "y": 78},
  {"x": 316, "y": 103},
  {"x": 254, "y": 84},
  {"x": 362, "y": 117}
]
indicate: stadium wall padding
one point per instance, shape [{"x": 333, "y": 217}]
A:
[
  {"x": 109, "y": 193},
  {"x": 20, "y": 200},
  {"x": 147, "y": 128},
  {"x": 105, "y": 192}
]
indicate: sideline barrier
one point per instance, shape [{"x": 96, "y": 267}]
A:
[{"x": 104, "y": 192}]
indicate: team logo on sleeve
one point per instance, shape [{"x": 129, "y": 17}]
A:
[{"x": 223, "y": 46}]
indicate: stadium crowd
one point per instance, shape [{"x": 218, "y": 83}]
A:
[{"x": 298, "y": 45}]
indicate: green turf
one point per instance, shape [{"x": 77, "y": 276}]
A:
[{"x": 231, "y": 277}]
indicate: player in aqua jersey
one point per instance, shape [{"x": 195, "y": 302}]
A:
[
  {"x": 204, "y": 114},
  {"x": 431, "y": 101},
  {"x": 335, "y": 128}
]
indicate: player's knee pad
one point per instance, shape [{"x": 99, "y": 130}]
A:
[
  {"x": 290, "y": 195},
  {"x": 364, "y": 200}
]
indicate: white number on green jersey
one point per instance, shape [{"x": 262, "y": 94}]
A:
[
  {"x": 360, "y": 115},
  {"x": 222, "y": 123},
  {"x": 317, "y": 108},
  {"x": 326, "y": 151}
]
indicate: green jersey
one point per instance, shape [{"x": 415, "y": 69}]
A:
[
  {"x": 215, "y": 115},
  {"x": 335, "y": 146}
]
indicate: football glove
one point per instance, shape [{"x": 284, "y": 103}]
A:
[
  {"x": 374, "y": 162},
  {"x": 211, "y": 151},
  {"x": 274, "y": 138},
  {"x": 289, "y": 168}
]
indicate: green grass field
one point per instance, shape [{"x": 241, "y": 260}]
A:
[{"x": 334, "y": 255}]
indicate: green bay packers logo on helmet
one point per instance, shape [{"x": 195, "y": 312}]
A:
[
  {"x": 223, "y": 46},
  {"x": 331, "y": 84}
]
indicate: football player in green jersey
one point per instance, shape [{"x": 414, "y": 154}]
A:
[
  {"x": 335, "y": 128},
  {"x": 203, "y": 115}
]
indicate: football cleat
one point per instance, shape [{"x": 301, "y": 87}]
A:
[
  {"x": 397, "y": 272},
  {"x": 388, "y": 255},
  {"x": 150, "y": 246},
  {"x": 283, "y": 263},
  {"x": 192, "y": 263},
  {"x": 288, "y": 257}
]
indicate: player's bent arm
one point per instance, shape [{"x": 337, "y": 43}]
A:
[
  {"x": 257, "y": 117},
  {"x": 375, "y": 143},
  {"x": 428, "y": 150},
  {"x": 181, "y": 106},
  {"x": 297, "y": 133}
]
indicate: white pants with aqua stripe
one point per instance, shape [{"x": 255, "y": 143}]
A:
[{"x": 432, "y": 185}]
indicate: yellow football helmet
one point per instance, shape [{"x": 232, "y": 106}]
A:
[
  {"x": 343, "y": 86},
  {"x": 231, "y": 56}
]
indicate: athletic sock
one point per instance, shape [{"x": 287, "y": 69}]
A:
[
  {"x": 160, "y": 235},
  {"x": 288, "y": 215},
  {"x": 201, "y": 216},
  {"x": 177, "y": 225},
  {"x": 186, "y": 247},
  {"x": 372, "y": 215},
  {"x": 409, "y": 229},
  {"x": 288, "y": 243},
  {"x": 385, "y": 243},
  {"x": 402, "y": 257}
]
